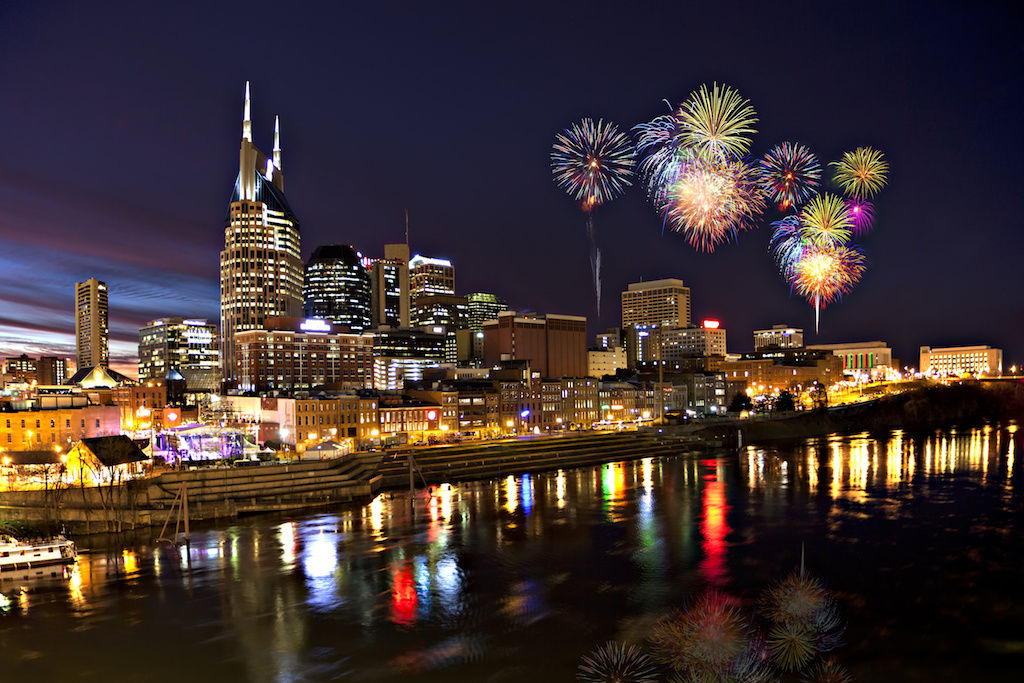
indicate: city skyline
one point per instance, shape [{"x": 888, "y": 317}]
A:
[{"x": 159, "y": 169}]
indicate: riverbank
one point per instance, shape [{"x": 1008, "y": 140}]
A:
[
  {"x": 224, "y": 493},
  {"x": 927, "y": 408}
]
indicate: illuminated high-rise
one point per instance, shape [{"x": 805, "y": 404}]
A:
[
  {"x": 261, "y": 272},
  {"x": 338, "y": 287},
  {"x": 91, "y": 331},
  {"x": 186, "y": 345},
  {"x": 389, "y": 285},
  {"x": 658, "y": 302},
  {"x": 430, "y": 276},
  {"x": 481, "y": 307}
]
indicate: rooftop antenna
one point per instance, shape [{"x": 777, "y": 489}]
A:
[{"x": 407, "y": 228}]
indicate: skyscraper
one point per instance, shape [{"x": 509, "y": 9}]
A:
[
  {"x": 665, "y": 303},
  {"x": 261, "y": 271},
  {"x": 389, "y": 284},
  {"x": 429, "y": 276},
  {"x": 188, "y": 346},
  {"x": 482, "y": 306},
  {"x": 91, "y": 331},
  {"x": 338, "y": 287},
  {"x": 444, "y": 311}
]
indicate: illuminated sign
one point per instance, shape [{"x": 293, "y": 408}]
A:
[
  {"x": 194, "y": 322},
  {"x": 711, "y": 324},
  {"x": 172, "y": 416},
  {"x": 315, "y": 325},
  {"x": 431, "y": 414}
]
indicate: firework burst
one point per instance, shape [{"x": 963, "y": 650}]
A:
[
  {"x": 711, "y": 200},
  {"x": 791, "y": 175},
  {"x": 862, "y": 215},
  {"x": 861, "y": 173},
  {"x": 616, "y": 662},
  {"x": 823, "y": 274},
  {"x": 716, "y": 122},
  {"x": 658, "y": 144},
  {"x": 825, "y": 221},
  {"x": 592, "y": 162},
  {"x": 787, "y": 245}
]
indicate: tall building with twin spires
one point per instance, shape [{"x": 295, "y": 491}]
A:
[{"x": 261, "y": 271}]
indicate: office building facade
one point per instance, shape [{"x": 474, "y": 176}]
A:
[
  {"x": 189, "y": 346},
  {"x": 778, "y": 337},
  {"x": 337, "y": 288},
  {"x": 91, "y": 327},
  {"x": 871, "y": 358},
  {"x": 300, "y": 355},
  {"x": 389, "y": 287},
  {"x": 443, "y": 312},
  {"x": 430, "y": 276},
  {"x": 659, "y": 302},
  {"x": 689, "y": 342},
  {"x": 961, "y": 360},
  {"x": 554, "y": 345}
]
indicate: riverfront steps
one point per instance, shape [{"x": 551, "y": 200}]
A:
[
  {"x": 494, "y": 459},
  {"x": 213, "y": 493}
]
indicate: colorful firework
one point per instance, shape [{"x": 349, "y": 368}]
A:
[
  {"x": 787, "y": 245},
  {"x": 861, "y": 173},
  {"x": 711, "y": 125},
  {"x": 593, "y": 162},
  {"x": 658, "y": 143},
  {"x": 716, "y": 122},
  {"x": 862, "y": 215},
  {"x": 825, "y": 273},
  {"x": 711, "y": 200},
  {"x": 616, "y": 662},
  {"x": 825, "y": 221},
  {"x": 791, "y": 175}
]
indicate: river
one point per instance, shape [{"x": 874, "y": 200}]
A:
[{"x": 920, "y": 537}]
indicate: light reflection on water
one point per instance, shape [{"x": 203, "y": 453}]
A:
[{"x": 481, "y": 577}]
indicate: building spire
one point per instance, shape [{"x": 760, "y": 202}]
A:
[
  {"x": 246, "y": 122},
  {"x": 277, "y": 143}
]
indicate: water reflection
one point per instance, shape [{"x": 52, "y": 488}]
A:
[
  {"x": 714, "y": 526},
  {"x": 541, "y": 566}
]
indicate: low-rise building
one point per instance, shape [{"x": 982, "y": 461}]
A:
[
  {"x": 959, "y": 361},
  {"x": 777, "y": 369},
  {"x": 403, "y": 419},
  {"x": 602, "y": 362},
  {"x": 678, "y": 343},
  {"x": 778, "y": 337},
  {"x": 290, "y": 355},
  {"x": 627, "y": 402},
  {"x": 57, "y": 423},
  {"x": 870, "y": 358}
]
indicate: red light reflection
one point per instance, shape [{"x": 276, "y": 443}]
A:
[
  {"x": 403, "y": 594},
  {"x": 714, "y": 527}
]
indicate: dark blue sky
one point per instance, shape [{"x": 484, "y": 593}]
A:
[{"x": 120, "y": 125}]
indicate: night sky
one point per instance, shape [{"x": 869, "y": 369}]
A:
[{"x": 120, "y": 125}]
